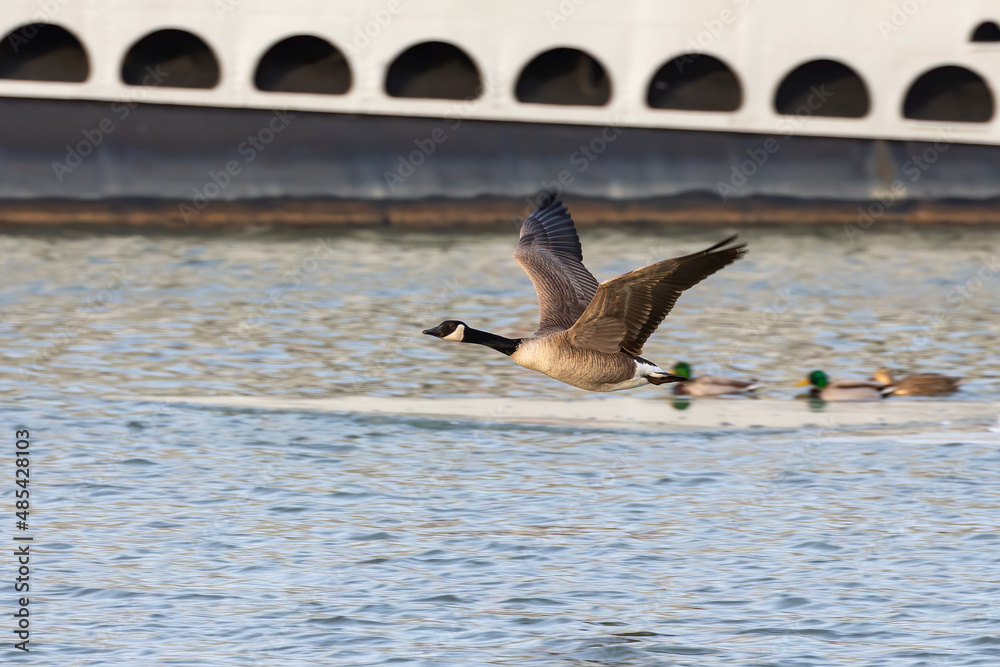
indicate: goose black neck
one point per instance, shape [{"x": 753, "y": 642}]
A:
[{"x": 498, "y": 343}]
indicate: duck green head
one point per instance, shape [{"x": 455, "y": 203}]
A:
[
  {"x": 816, "y": 379},
  {"x": 683, "y": 369}
]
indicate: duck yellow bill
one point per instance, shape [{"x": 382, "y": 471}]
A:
[{"x": 802, "y": 384}]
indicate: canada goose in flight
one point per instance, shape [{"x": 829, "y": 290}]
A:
[
  {"x": 843, "y": 390},
  {"x": 919, "y": 384},
  {"x": 589, "y": 335},
  {"x": 709, "y": 385}
]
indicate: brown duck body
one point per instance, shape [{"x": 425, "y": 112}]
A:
[
  {"x": 918, "y": 384},
  {"x": 714, "y": 385},
  {"x": 843, "y": 390},
  {"x": 849, "y": 390}
]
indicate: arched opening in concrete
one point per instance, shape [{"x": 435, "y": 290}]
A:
[
  {"x": 823, "y": 88},
  {"x": 564, "y": 76},
  {"x": 433, "y": 70},
  {"x": 695, "y": 82},
  {"x": 950, "y": 93},
  {"x": 987, "y": 31},
  {"x": 303, "y": 64},
  {"x": 171, "y": 58},
  {"x": 43, "y": 52}
]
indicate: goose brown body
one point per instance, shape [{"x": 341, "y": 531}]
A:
[{"x": 587, "y": 369}]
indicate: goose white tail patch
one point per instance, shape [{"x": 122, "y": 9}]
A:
[
  {"x": 644, "y": 369},
  {"x": 457, "y": 335}
]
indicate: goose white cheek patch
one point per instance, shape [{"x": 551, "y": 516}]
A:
[{"x": 458, "y": 334}]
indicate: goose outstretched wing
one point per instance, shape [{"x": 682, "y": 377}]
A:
[
  {"x": 627, "y": 309},
  {"x": 549, "y": 252}
]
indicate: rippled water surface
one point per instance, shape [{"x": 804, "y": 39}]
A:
[{"x": 188, "y": 534}]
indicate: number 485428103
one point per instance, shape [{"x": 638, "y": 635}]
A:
[{"x": 22, "y": 475}]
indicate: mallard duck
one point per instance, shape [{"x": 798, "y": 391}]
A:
[
  {"x": 843, "y": 390},
  {"x": 918, "y": 384},
  {"x": 590, "y": 335},
  {"x": 709, "y": 385}
]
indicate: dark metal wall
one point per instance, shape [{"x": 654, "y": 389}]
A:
[{"x": 94, "y": 150}]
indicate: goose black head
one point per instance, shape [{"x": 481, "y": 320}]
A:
[{"x": 448, "y": 330}]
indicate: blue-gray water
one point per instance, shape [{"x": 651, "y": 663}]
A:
[{"x": 182, "y": 534}]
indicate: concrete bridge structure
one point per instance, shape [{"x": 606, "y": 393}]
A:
[{"x": 394, "y": 100}]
